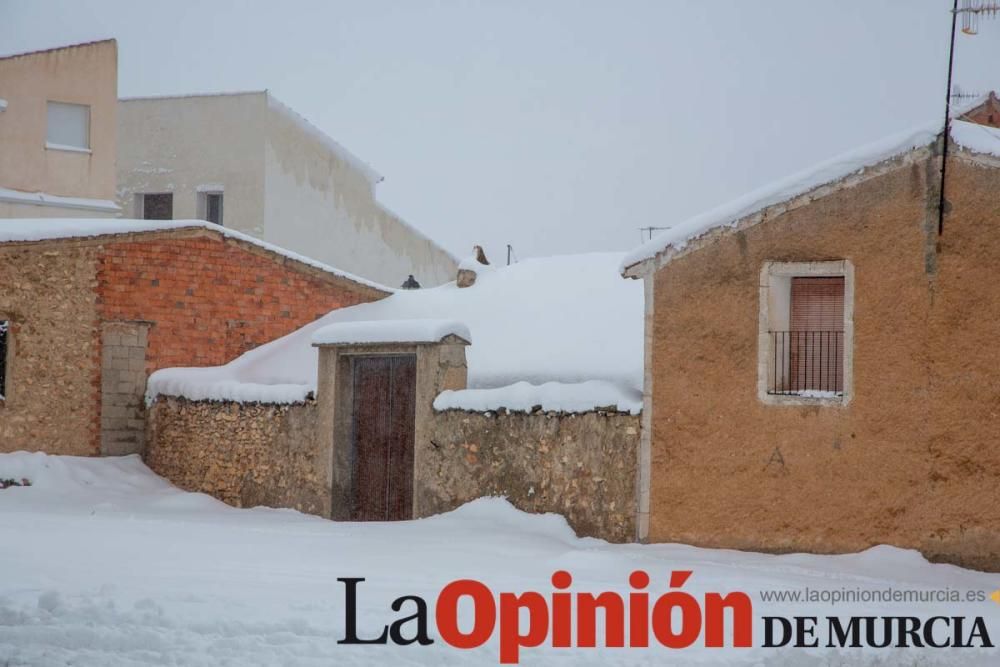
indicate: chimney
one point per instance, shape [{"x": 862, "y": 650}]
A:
[{"x": 470, "y": 267}]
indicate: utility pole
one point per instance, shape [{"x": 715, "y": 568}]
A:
[{"x": 970, "y": 10}]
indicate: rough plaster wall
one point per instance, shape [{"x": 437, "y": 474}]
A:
[
  {"x": 243, "y": 454},
  {"x": 582, "y": 466},
  {"x": 85, "y": 74},
  {"x": 47, "y": 291},
  {"x": 913, "y": 460},
  {"x": 178, "y": 144},
  {"x": 123, "y": 386},
  {"x": 320, "y": 205}
]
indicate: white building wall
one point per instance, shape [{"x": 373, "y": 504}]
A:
[
  {"x": 185, "y": 145},
  {"x": 321, "y": 201},
  {"x": 282, "y": 179}
]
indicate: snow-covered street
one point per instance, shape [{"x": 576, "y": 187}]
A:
[{"x": 106, "y": 564}]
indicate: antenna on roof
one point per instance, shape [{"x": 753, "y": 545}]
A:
[
  {"x": 646, "y": 233},
  {"x": 970, "y": 10},
  {"x": 958, "y": 94}
]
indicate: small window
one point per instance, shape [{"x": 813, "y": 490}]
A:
[
  {"x": 211, "y": 206},
  {"x": 157, "y": 206},
  {"x": 68, "y": 126},
  {"x": 4, "y": 335},
  {"x": 806, "y": 332}
]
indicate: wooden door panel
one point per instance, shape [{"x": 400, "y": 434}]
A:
[{"x": 384, "y": 407}]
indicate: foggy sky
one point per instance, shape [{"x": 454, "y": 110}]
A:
[{"x": 554, "y": 126}]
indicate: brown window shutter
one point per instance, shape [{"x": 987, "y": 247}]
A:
[
  {"x": 815, "y": 342},
  {"x": 817, "y": 304}
]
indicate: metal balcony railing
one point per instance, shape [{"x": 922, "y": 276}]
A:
[{"x": 806, "y": 363}]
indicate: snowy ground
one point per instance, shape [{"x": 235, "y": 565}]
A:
[{"x": 103, "y": 563}]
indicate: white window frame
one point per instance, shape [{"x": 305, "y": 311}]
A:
[
  {"x": 777, "y": 275},
  {"x": 71, "y": 148},
  {"x": 203, "y": 192}
]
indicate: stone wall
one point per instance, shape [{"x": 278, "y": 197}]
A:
[
  {"x": 579, "y": 465},
  {"x": 53, "y": 384},
  {"x": 913, "y": 459},
  {"x": 243, "y": 454},
  {"x": 76, "y": 307}
]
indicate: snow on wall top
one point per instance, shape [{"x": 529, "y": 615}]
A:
[
  {"x": 550, "y": 396},
  {"x": 44, "y": 198},
  {"x": 976, "y": 138},
  {"x": 42, "y": 229},
  {"x": 828, "y": 171},
  {"x": 390, "y": 331},
  {"x": 567, "y": 319},
  {"x": 318, "y": 134}
]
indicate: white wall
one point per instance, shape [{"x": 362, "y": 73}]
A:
[
  {"x": 320, "y": 201},
  {"x": 181, "y": 144},
  {"x": 282, "y": 180}
]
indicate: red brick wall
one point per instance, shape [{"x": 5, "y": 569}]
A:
[{"x": 210, "y": 298}]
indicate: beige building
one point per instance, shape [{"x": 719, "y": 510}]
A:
[
  {"x": 248, "y": 162},
  {"x": 821, "y": 360},
  {"x": 58, "y": 122}
]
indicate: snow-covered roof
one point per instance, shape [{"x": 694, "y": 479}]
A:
[
  {"x": 973, "y": 137},
  {"x": 976, "y": 138},
  {"x": 567, "y": 319},
  {"x": 390, "y": 331},
  {"x": 20, "y": 230}
]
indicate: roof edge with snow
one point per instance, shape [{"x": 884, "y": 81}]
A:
[
  {"x": 824, "y": 178},
  {"x": 367, "y": 332},
  {"x": 37, "y": 230},
  {"x": 816, "y": 182}
]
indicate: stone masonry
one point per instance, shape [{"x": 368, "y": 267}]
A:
[{"x": 91, "y": 317}]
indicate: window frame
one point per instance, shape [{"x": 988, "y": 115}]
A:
[
  {"x": 139, "y": 203},
  {"x": 203, "y": 196},
  {"x": 69, "y": 148},
  {"x": 785, "y": 271}
]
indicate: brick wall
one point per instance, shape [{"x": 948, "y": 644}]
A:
[
  {"x": 78, "y": 358},
  {"x": 210, "y": 299}
]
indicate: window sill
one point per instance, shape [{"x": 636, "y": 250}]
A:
[
  {"x": 824, "y": 399},
  {"x": 67, "y": 149}
]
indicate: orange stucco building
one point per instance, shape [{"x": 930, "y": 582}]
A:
[{"x": 822, "y": 369}]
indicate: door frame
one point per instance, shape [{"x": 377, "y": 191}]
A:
[{"x": 440, "y": 365}]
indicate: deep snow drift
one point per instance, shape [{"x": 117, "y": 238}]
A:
[
  {"x": 105, "y": 564},
  {"x": 567, "y": 320}
]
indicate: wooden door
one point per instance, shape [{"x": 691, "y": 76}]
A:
[{"x": 382, "y": 437}]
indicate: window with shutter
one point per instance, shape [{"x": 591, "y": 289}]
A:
[
  {"x": 806, "y": 325},
  {"x": 815, "y": 344}
]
